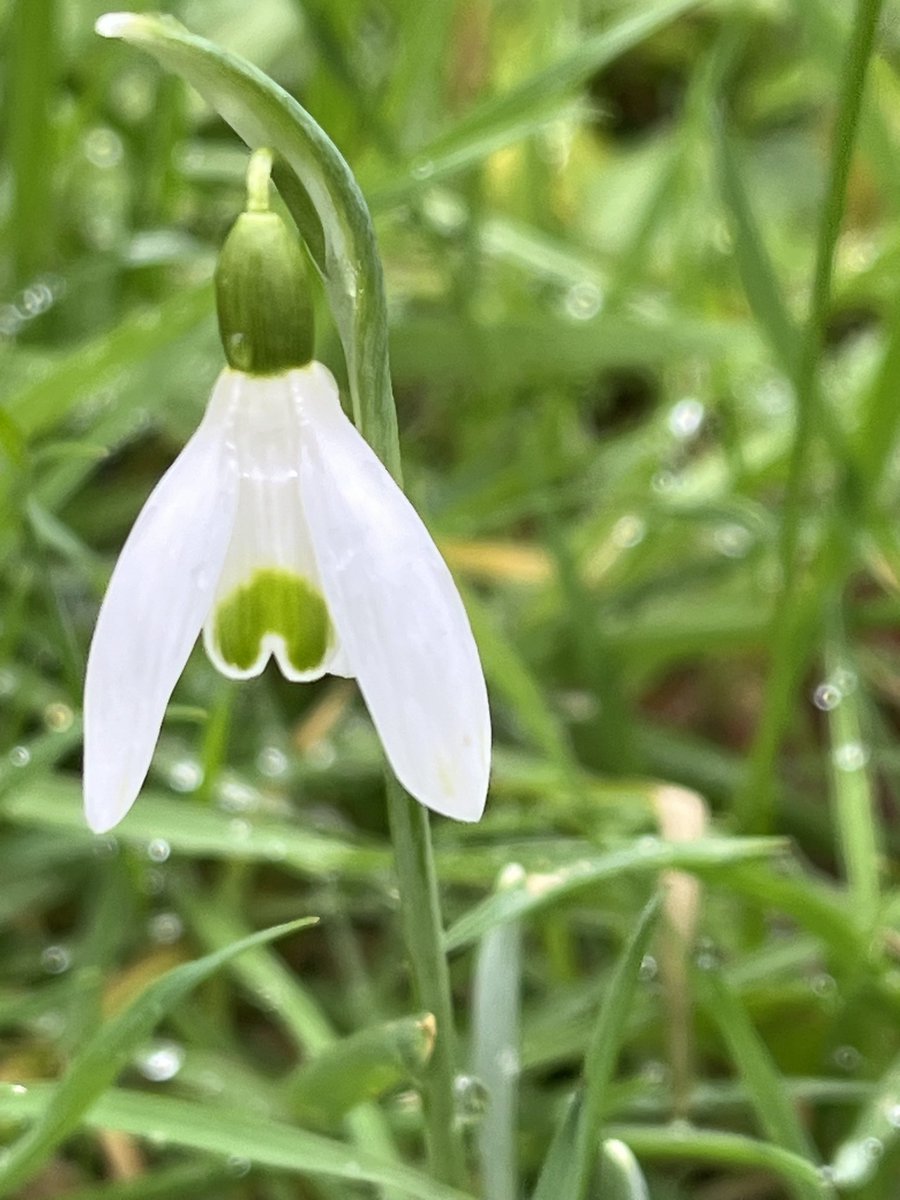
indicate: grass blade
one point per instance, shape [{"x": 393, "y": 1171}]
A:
[{"x": 97, "y": 1065}]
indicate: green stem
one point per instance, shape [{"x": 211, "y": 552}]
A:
[
  {"x": 420, "y": 909},
  {"x": 854, "y": 803},
  {"x": 755, "y": 803},
  {"x": 259, "y": 174},
  {"x": 32, "y": 55}
]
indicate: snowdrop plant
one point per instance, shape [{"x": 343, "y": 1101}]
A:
[{"x": 280, "y": 534}]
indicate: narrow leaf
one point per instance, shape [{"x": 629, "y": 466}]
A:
[{"x": 97, "y": 1065}]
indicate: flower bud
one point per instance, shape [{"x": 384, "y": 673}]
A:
[{"x": 263, "y": 295}]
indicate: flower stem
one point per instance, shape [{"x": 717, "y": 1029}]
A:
[
  {"x": 259, "y": 173},
  {"x": 794, "y": 629},
  {"x": 420, "y": 909}
]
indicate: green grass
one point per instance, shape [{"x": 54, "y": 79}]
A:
[{"x": 641, "y": 263}]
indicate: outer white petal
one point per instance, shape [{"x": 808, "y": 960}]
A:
[
  {"x": 397, "y": 610},
  {"x": 157, "y": 598},
  {"x": 269, "y": 536}
]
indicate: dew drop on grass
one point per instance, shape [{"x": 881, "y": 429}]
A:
[
  {"x": 827, "y": 697},
  {"x": 165, "y": 928},
  {"x": 160, "y": 1061},
  {"x": 9, "y": 680},
  {"x": 686, "y": 417},
  {"x": 470, "y": 1098},
  {"x": 583, "y": 301},
  {"x": 237, "y": 1165},
  {"x": 629, "y": 531},
  {"x": 241, "y": 830},
  {"x": 893, "y": 1114},
  {"x": 272, "y": 761},
  {"x": 851, "y": 756},
  {"x": 235, "y": 797},
  {"x": 323, "y": 755},
  {"x": 19, "y": 756},
  {"x": 158, "y": 850},
  {"x": 845, "y": 681},
  {"x": 648, "y": 969},
  {"x": 733, "y": 540},
  {"x": 823, "y": 984},
  {"x": 848, "y": 1058},
  {"x": 56, "y": 960},
  {"x": 186, "y": 775},
  {"x": 58, "y": 717}
]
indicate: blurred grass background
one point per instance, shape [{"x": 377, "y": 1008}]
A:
[{"x": 657, "y": 450}]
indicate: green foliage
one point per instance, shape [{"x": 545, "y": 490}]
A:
[{"x": 641, "y": 269}]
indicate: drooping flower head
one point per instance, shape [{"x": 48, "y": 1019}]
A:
[{"x": 279, "y": 533}]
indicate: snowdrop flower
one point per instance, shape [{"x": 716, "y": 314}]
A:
[{"x": 278, "y": 532}]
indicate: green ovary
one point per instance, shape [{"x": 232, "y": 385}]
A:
[{"x": 278, "y": 603}]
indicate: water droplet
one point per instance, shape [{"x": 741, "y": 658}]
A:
[
  {"x": 851, "y": 756},
  {"x": 165, "y": 928},
  {"x": 240, "y": 829},
  {"x": 323, "y": 755},
  {"x": 423, "y": 169},
  {"x": 34, "y": 300},
  {"x": 211, "y": 1083},
  {"x": 845, "y": 681},
  {"x": 629, "y": 531},
  {"x": 237, "y": 1165},
  {"x": 873, "y": 1148},
  {"x": 686, "y": 417},
  {"x": 160, "y": 1061},
  {"x": 666, "y": 482},
  {"x": 823, "y": 984},
  {"x": 512, "y": 876},
  {"x": 470, "y": 1098},
  {"x": 10, "y": 320},
  {"x": 9, "y": 680},
  {"x": 583, "y": 301},
  {"x": 58, "y": 717},
  {"x": 892, "y": 1112},
  {"x": 158, "y": 850},
  {"x": 19, "y": 756},
  {"x": 648, "y": 969},
  {"x": 103, "y": 147},
  {"x": 827, "y": 697},
  {"x": 272, "y": 761},
  {"x": 708, "y": 957},
  {"x": 508, "y": 1062},
  {"x": 50, "y": 1024},
  {"x": 234, "y": 796},
  {"x": 18, "y": 1089},
  {"x": 154, "y": 882},
  {"x": 648, "y": 843},
  {"x": 848, "y": 1058},
  {"x": 654, "y": 1073},
  {"x": 579, "y": 706},
  {"x": 775, "y": 396},
  {"x": 56, "y": 960},
  {"x": 185, "y": 775},
  {"x": 733, "y": 540}
]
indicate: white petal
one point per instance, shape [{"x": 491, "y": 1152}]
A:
[
  {"x": 158, "y": 596},
  {"x": 269, "y": 598},
  {"x": 398, "y": 613}
]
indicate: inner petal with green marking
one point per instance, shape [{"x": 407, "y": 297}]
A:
[{"x": 274, "y": 611}]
